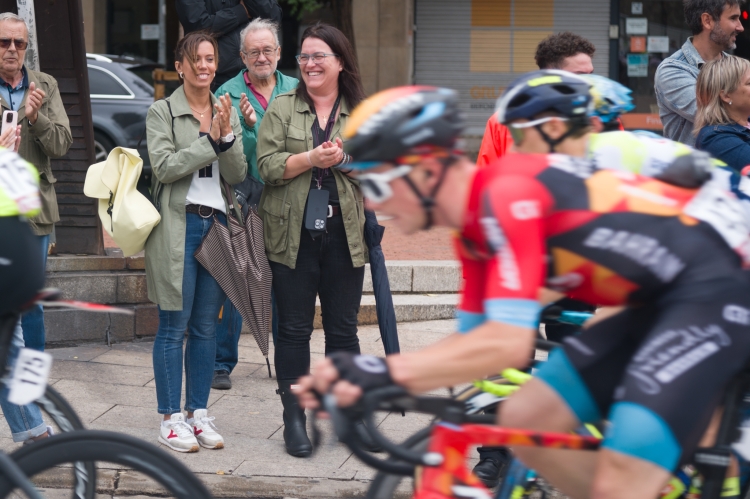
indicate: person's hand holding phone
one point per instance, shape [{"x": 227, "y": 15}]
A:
[{"x": 9, "y": 137}]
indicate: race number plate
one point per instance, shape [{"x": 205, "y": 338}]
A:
[{"x": 29, "y": 376}]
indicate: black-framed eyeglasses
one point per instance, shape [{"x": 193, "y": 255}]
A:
[
  {"x": 18, "y": 42},
  {"x": 267, "y": 53},
  {"x": 317, "y": 57}
]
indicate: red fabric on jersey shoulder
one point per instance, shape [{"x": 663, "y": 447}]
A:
[
  {"x": 513, "y": 211},
  {"x": 495, "y": 142}
]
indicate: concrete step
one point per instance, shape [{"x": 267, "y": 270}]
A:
[
  {"x": 408, "y": 308},
  {"x": 420, "y": 276},
  {"x": 422, "y": 290}
]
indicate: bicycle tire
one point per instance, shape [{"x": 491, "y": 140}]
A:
[
  {"x": 105, "y": 446},
  {"x": 66, "y": 418}
]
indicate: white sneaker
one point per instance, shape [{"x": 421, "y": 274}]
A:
[
  {"x": 177, "y": 434},
  {"x": 205, "y": 430}
]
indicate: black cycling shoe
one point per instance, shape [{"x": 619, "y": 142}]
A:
[
  {"x": 489, "y": 470},
  {"x": 221, "y": 380}
]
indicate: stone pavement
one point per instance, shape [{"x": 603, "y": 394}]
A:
[{"x": 113, "y": 389}]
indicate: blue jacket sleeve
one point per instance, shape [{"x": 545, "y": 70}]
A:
[{"x": 727, "y": 146}]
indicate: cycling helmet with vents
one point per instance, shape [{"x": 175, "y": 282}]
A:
[
  {"x": 402, "y": 121},
  {"x": 549, "y": 90}
]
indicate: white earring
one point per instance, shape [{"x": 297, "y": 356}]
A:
[
  {"x": 181, "y": 75},
  {"x": 730, "y": 103}
]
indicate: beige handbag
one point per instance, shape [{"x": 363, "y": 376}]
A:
[{"x": 126, "y": 214}]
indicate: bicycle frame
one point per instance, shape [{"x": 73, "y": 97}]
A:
[{"x": 451, "y": 444}]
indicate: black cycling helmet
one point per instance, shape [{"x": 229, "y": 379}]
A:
[
  {"x": 401, "y": 120},
  {"x": 549, "y": 90}
]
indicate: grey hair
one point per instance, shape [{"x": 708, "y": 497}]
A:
[
  {"x": 9, "y": 16},
  {"x": 258, "y": 24}
]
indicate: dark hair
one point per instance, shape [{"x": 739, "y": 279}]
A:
[
  {"x": 551, "y": 51},
  {"x": 695, "y": 8},
  {"x": 188, "y": 47},
  {"x": 350, "y": 83}
]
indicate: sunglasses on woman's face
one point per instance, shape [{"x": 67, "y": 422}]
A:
[{"x": 19, "y": 43}]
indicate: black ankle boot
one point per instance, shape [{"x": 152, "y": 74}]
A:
[
  {"x": 368, "y": 443},
  {"x": 295, "y": 434}
]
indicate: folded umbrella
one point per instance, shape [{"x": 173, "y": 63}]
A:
[
  {"x": 235, "y": 256},
  {"x": 380, "y": 285}
]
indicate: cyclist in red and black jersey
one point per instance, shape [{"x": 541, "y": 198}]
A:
[{"x": 606, "y": 237}]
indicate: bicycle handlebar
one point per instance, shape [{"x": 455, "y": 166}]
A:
[
  {"x": 343, "y": 428},
  {"x": 394, "y": 398}
]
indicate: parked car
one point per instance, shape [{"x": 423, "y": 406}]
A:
[{"x": 119, "y": 102}]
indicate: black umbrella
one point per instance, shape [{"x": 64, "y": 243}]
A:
[{"x": 380, "y": 285}]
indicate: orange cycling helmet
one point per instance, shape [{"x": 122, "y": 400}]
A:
[{"x": 401, "y": 121}]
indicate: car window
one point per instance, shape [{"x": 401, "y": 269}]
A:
[
  {"x": 148, "y": 89},
  {"x": 103, "y": 83}
]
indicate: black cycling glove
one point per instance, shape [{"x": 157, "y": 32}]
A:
[{"x": 365, "y": 371}]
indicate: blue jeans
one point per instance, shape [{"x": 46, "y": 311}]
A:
[
  {"x": 25, "y": 421},
  {"x": 228, "y": 330},
  {"x": 32, "y": 321},
  {"x": 201, "y": 300}
]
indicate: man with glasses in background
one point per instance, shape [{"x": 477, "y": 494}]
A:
[
  {"x": 43, "y": 133},
  {"x": 254, "y": 87},
  {"x": 225, "y": 20}
]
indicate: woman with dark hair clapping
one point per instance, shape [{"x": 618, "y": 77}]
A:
[
  {"x": 313, "y": 214},
  {"x": 194, "y": 141}
]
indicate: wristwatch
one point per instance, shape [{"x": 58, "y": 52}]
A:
[{"x": 228, "y": 138}]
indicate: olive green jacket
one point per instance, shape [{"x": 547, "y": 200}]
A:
[
  {"x": 49, "y": 137},
  {"x": 285, "y": 131},
  {"x": 175, "y": 155}
]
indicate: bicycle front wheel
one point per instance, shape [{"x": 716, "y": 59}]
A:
[
  {"x": 385, "y": 485},
  {"x": 104, "y": 446}
]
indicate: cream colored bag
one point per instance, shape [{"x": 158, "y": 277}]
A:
[{"x": 126, "y": 214}]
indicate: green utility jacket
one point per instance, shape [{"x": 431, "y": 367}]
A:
[
  {"x": 49, "y": 137},
  {"x": 285, "y": 131},
  {"x": 175, "y": 155},
  {"x": 237, "y": 86}
]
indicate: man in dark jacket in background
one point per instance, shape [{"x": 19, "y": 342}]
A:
[{"x": 225, "y": 19}]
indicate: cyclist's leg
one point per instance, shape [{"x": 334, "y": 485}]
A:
[
  {"x": 33, "y": 320},
  {"x": 575, "y": 386},
  {"x": 25, "y": 421},
  {"x": 671, "y": 388},
  {"x": 21, "y": 273}
]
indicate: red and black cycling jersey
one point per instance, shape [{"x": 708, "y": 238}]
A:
[{"x": 601, "y": 236}]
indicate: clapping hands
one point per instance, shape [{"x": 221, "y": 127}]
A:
[
  {"x": 328, "y": 154},
  {"x": 220, "y": 124},
  {"x": 247, "y": 110},
  {"x": 34, "y": 100}
]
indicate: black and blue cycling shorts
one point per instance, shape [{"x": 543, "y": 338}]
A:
[
  {"x": 21, "y": 264},
  {"x": 657, "y": 372}
]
